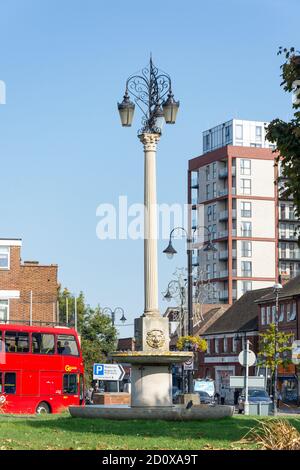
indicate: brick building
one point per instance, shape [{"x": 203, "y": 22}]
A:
[
  {"x": 288, "y": 321},
  {"x": 227, "y": 336},
  {"x": 28, "y": 290}
]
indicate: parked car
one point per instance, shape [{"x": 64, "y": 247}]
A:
[
  {"x": 255, "y": 395},
  {"x": 205, "y": 398}
]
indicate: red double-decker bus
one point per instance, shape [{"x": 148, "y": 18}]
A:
[{"x": 41, "y": 369}]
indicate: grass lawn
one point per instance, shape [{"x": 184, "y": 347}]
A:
[{"x": 64, "y": 432}]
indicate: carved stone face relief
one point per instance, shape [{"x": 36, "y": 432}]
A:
[{"x": 155, "y": 339}]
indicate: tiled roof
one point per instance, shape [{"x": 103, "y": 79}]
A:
[
  {"x": 290, "y": 289},
  {"x": 241, "y": 316}
]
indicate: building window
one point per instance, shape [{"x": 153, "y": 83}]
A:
[
  {"x": 208, "y": 346},
  {"x": 262, "y": 315},
  {"x": 214, "y": 232},
  {"x": 258, "y": 132},
  {"x": 214, "y": 270},
  {"x": 246, "y": 229},
  {"x": 268, "y": 319},
  {"x": 246, "y": 249},
  {"x": 255, "y": 145},
  {"x": 245, "y": 187},
  {"x": 214, "y": 174},
  {"x": 291, "y": 313},
  {"x": 273, "y": 313},
  {"x": 225, "y": 345},
  {"x": 214, "y": 189},
  {"x": 4, "y": 257},
  {"x": 245, "y": 167},
  {"x": 9, "y": 383},
  {"x": 207, "y": 170},
  {"x": 216, "y": 345},
  {"x": 246, "y": 268},
  {"x": 234, "y": 341},
  {"x": 207, "y": 191},
  {"x": 246, "y": 210},
  {"x": 208, "y": 271},
  {"x": 246, "y": 286},
  {"x": 4, "y": 311},
  {"x": 281, "y": 314},
  {"x": 208, "y": 213},
  {"x": 214, "y": 211},
  {"x": 227, "y": 134},
  {"x": 239, "y": 131}
]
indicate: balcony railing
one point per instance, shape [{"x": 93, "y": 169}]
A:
[
  {"x": 223, "y": 255},
  {"x": 287, "y": 235},
  {"x": 246, "y": 233},
  {"x": 289, "y": 254},
  {"x": 195, "y": 182},
  {"x": 223, "y": 295},
  {"x": 223, "y": 215},
  {"x": 246, "y": 274},
  {"x": 224, "y": 273}
]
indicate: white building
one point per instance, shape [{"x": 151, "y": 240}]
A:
[{"x": 232, "y": 192}]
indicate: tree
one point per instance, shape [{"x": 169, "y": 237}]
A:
[
  {"x": 274, "y": 348},
  {"x": 286, "y": 135},
  {"x": 98, "y": 335}
]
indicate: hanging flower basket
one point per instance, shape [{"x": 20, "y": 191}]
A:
[{"x": 191, "y": 343}]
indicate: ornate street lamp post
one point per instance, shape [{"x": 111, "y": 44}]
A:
[
  {"x": 113, "y": 313},
  {"x": 152, "y": 92},
  {"x": 170, "y": 252}
]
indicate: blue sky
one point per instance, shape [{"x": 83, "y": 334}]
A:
[{"x": 62, "y": 149}]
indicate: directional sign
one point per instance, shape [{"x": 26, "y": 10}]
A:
[
  {"x": 108, "y": 372},
  {"x": 251, "y": 358},
  {"x": 237, "y": 381}
]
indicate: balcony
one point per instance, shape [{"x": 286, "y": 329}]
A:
[
  {"x": 233, "y": 213},
  {"x": 246, "y": 274},
  {"x": 289, "y": 254},
  {"x": 195, "y": 261},
  {"x": 194, "y": 182},
  {"x": 223, "y": 172},
  {"x": 223, "y": 295},
  {"x": 223, "y": 234},
  {"x": 194, "y": 200},
  {"x": 224, "y": 273},
  {"x": 223, "y": 255},
  {"x": 287, "y": 235},
  {"x": 288, "y": 217},
  {"x": 223, "y": 215}
]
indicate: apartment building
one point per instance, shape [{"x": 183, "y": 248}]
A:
[
  {"x": 232, "y": 192},
  {"x": 28, "y": 290}
]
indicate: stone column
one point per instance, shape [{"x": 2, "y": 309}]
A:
[{"x": 150, "y": 226}]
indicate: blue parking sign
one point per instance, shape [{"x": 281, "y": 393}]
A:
[{"x": 98, "y": 371}]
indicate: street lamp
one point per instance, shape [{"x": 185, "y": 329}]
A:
[
  {"x": 113, "y": 313},
  {"x": 170, "y": 252},
  {"x": 152, "y": 92},
  {"x": 177, "y": 289},
  {"x": 276, "y": 288}
]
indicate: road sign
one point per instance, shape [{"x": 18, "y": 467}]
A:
[
  {"x": 251, "y": 358},
  {"x": 108, "y": 372},
  {"x": 237, "y": 381},
  {"x": 188, "y": 364}
]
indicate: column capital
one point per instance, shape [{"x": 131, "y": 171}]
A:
[{"x": 149, "y": 141}]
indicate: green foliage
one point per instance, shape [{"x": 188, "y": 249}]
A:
[
  {"x": 98, "y": 335},
  {"x": 272, "y": 342},
  {"x": 286, "y": 135}
]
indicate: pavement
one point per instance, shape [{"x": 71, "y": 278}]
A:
[{"x": 285, "y": 409}]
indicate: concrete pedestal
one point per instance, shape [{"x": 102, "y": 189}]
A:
[{"x": 151, "y": 385}]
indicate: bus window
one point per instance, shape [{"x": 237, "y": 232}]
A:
[
  {"x": 10, "y": 382},
  {"x": 66, "y": 345},
  {"x": 42, "y": 343},
  {"x": 16, "y": 342},
  {"x": 70, "y": 384},
  {"x": 10, "y": 341}
]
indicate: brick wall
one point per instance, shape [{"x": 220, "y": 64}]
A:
[{"x": 41, "y": 280}]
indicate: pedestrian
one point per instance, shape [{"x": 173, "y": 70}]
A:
[
  {"x": 279, "y": 398},
  {"x": 223, "y": 395},
  {"x": 236, "y": 396},
  {"x": 217, "y": 398}
]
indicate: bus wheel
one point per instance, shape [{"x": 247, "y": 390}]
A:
[{"x": 42, "y": 408}]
